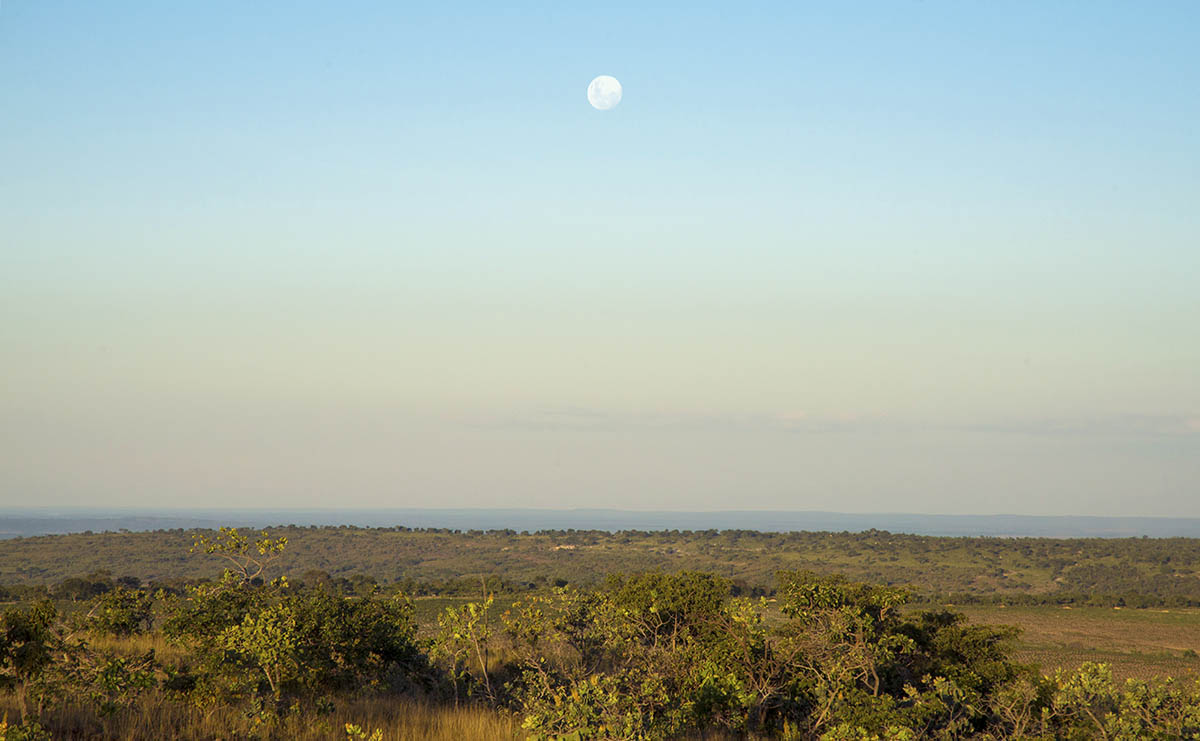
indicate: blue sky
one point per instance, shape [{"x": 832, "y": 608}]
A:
[{"x": 898, "y": 256}]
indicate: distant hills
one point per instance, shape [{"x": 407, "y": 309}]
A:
[{"x": 46, "y": 521}]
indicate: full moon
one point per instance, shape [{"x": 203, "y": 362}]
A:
[{"x": 604, "y": 93}]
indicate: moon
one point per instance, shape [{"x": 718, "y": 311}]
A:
[{"x": 604, "y": 93}]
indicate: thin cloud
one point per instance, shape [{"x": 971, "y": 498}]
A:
[
  {"x": 1119, "y": 425},
  {"x": 591, "y": 419}
]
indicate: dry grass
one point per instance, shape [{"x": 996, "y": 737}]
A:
[
  {"x": 157, "y": 716},
  {"x": 1137, "y": 643},
  {"x": 156, "y": 719},
  {"x": 164, "y": 650}
]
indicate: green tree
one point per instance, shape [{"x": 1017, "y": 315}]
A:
[
  {"x": 247, "y": 559},
  {"x": 270, "y": 646},
  {"x": 120, "y": 612},
  {"x": 462, "y": 644},
  {"x": 29, "y": 641}
]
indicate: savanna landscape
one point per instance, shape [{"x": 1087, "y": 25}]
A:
[
  {"x": 642, "y": 371},
  {"x": 568, "y": 634}
]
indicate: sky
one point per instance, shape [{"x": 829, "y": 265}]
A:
[{"x": 861, "y": 257}]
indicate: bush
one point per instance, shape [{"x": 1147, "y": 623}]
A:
[
  {"x": 120, "y": 612},
  {"x": 268, "y": 647},
  {"x": 646, "y": 656}
]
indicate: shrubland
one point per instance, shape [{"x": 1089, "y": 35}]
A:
[
  {"x": 636, "y": 655},
  {"x": 1132, "y": 572}
]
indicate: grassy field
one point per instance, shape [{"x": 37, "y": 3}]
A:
[{"x": 1137, "y": 643}]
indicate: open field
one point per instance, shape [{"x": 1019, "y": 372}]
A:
[{"x": 1137, "y": 643}]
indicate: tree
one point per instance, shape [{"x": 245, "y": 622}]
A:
[
  {"x": 120, "y": 612},
  {"x": 248, "y": 560},
  {"x": 462, "y": 642},
  {"x": 29, "y": 640},
  {"x": 270, "y": 645}
]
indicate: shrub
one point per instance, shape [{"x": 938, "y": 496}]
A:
[{"x": 120, "y": 612}]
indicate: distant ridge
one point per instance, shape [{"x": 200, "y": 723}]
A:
[{"x": 46, "y": 521}]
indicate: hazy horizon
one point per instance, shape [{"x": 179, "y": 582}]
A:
[
  {"x": 30, "y": 522},
  {"x": 891, "y": 257}
]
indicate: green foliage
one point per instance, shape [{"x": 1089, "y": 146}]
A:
[
  {"x": 42, "y": 665},
  {"x": 78, "y": 588},
  {"x": 648, "y": 655},
  {"x": 1087, "y": 704},
  {"x": 268, "y": 647},
  {"x": 668, "y": 607},
  {"x": 120, "y": 612},
  {"x": 1129, "y": 572},
  {"x": 353, "y": 644},
  {"x": 659, "y": 656},
  {"x": 461, "y": 644},
  {"x": 110, "y": 682},
  {"x": 247, "y": 559},
  {"x": 29, "y": 730},
  {"x": 203, "y": 611},
  {"x": 357, "y": 733},
  {"x": 29, "y": 642},
  {"x": 267, "y": 642}
]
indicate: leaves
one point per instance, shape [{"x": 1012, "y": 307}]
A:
[
  {"x": 647, "y": 656},
  {"x": 248, "y": 559}
]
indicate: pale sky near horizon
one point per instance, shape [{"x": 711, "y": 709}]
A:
[{"x": 905, "y": 256}]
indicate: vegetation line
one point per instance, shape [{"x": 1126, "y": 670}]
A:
[{"x": 649, "y": 655}]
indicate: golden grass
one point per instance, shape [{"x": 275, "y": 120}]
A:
[
  {"x": 164, "y": 650},
  {"x": 157, "y": 716},
  {"x": 157, "y": 719}
]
